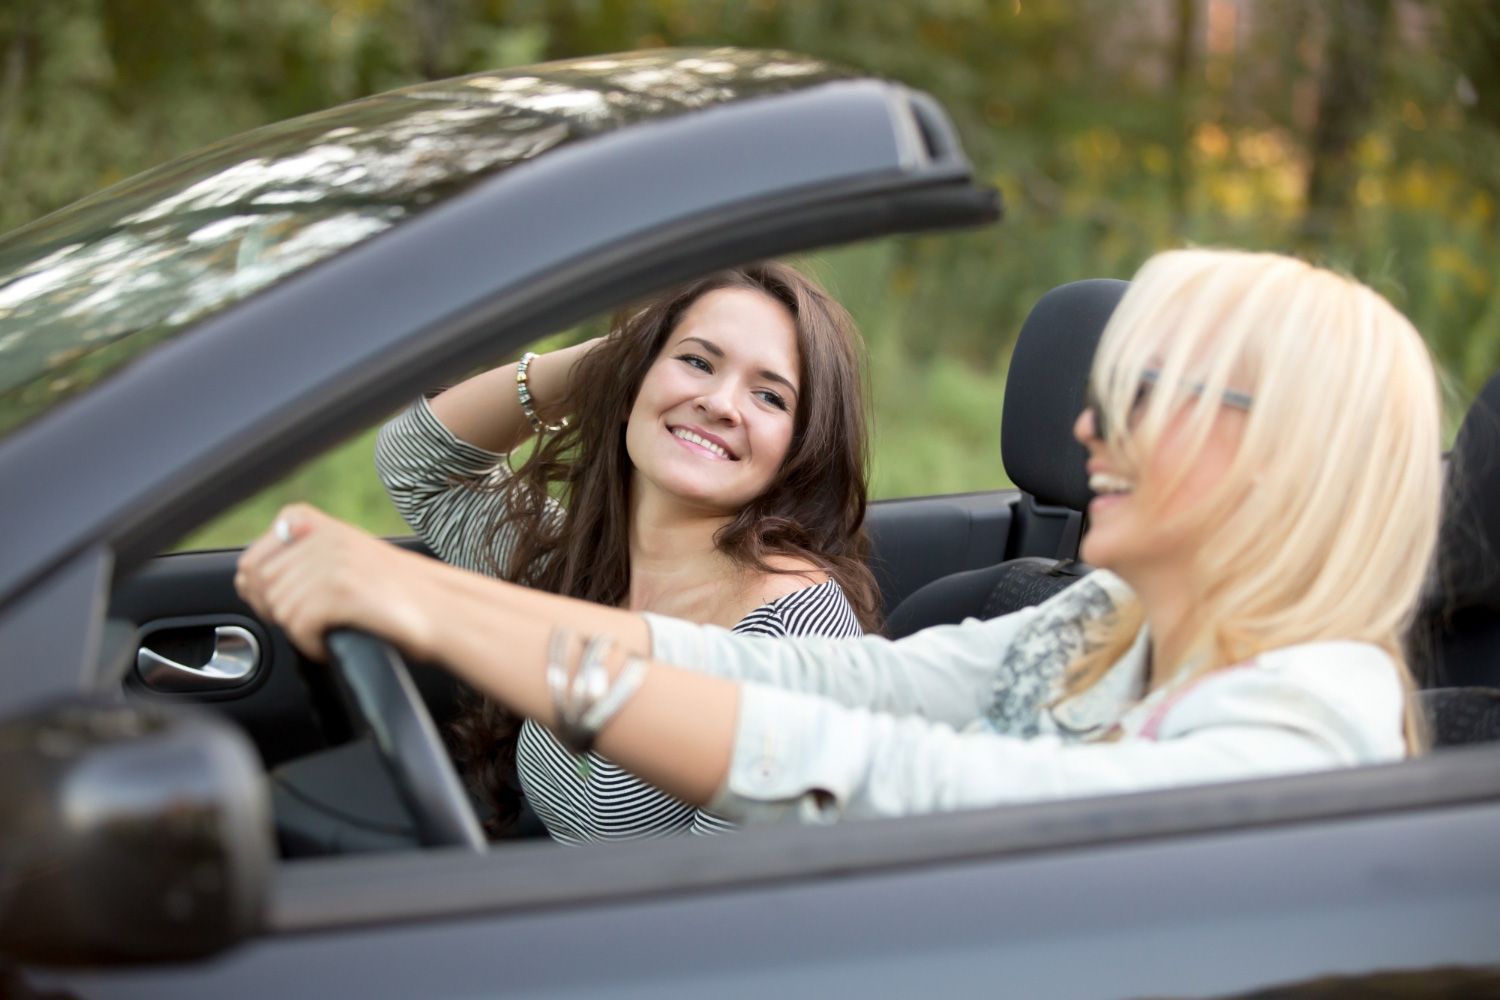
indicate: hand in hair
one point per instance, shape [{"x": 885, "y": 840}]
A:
[{"x": 486, "y": 412}]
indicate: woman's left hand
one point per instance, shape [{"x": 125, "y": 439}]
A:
[{"x": 311, "y": 572}]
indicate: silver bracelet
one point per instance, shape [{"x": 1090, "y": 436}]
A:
[
  {"x": 584, "y": 699},
  {"x": 558, "y": 654},
  {"x": 574, "y": 689},
  {"x": 523, "y": 393},
  {"x": 632, "y": 674}
]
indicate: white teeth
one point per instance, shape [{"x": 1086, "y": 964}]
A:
[
  {"x": 700, "y": 441},
  {"x": 1104, "y": 483}
]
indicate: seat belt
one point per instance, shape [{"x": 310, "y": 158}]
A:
[{"x": 1067, "y": 546}]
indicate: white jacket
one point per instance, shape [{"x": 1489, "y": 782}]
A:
[{"x": 963, "y": 716}]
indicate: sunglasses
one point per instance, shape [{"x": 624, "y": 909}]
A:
[{"x": 1149, "y": 378}]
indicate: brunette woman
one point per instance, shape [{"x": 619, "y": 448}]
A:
[
  {"x": 710, "y": 458},
  {"x": 1265, "y": 448}
]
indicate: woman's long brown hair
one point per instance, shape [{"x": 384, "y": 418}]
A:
[{"x": 813, "y": 510}]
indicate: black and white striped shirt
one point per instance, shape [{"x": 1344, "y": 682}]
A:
[{"x": 431, "y": 477}]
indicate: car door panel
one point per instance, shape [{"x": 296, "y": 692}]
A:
[
  {"x": 176, "y": 603},
  {"x": 290, "y": 707},
  {"x": 216, "y": 654}
]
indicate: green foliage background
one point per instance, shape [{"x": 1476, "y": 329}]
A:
[{"x": 1361, "y": 133}]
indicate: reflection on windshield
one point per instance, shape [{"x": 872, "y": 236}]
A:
[{"x": 89, "y": 288}]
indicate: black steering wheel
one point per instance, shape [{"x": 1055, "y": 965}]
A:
[{"x": 375, "y": 679}]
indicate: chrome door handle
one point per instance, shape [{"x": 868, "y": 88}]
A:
[{"x": 234, "y": 661}]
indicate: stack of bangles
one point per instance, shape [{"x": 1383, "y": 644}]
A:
[{"x": 584, "y": 698}]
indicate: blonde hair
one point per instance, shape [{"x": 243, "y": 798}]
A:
[{"x": 1324, "y": 525}]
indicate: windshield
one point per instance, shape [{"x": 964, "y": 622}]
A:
[{"x": 89, "y": 288}]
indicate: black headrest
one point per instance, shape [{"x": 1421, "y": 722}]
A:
[
  {"x": 1468, "y": 570},
  {"x": 1044, "y": 390}
]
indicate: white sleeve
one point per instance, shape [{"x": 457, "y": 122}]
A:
[
  {"x": 803, "y": 758},
  {"x": 945, "y": 673}
]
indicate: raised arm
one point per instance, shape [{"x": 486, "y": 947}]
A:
[
  {"x": 485, "y": 410},
  {"x": 441, "y": 459}
]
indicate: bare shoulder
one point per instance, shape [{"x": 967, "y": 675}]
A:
[
  {"x": 789, "y": 575},
  {"x": 758, "y": 591}
]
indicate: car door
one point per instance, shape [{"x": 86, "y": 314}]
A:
[{"x": 1328, "y": 884}]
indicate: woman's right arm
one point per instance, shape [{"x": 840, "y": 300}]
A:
[
  {"x": 944, "y": 674},
  {"x": 485, "y": 411},
  {"x": 437, "y": 458}
]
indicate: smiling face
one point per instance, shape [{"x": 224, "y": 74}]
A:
[
  {"x": 714, "y": 416},
  {"x": 1142, "y": 523},
  {"x": 1279, "y": 480}
]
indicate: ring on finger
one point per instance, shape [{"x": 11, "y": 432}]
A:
[{"x": 283, "y": 531}]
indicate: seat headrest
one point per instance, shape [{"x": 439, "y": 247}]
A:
[
  {"x": 1045, "y": 387},
  {"x": 1468, "y": 565}
]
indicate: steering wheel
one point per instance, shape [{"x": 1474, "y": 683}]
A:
[{"x": 375, "y": 678}]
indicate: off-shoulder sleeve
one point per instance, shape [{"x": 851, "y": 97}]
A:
[
  {"x": 445, "y": 488},
  {"x": 804, "y": 758},
  {"x": 823, "y": 609}
]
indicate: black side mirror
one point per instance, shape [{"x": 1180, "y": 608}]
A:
[{"x": 129, "y": 832}]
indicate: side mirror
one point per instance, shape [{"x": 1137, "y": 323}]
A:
[{"x": 129, "y": 832}]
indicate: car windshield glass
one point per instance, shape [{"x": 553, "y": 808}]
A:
[{"x": 89, "y": 288}]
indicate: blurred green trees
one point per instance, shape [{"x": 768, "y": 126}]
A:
[{"x": 1361, "y": 133}]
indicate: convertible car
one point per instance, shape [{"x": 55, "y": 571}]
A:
[{"x": 167, "y": 823}]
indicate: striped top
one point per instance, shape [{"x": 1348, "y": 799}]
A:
[{"x": 435, "y": 481}]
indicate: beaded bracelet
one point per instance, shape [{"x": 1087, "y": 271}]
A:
[{"x": 523, "y": 393}]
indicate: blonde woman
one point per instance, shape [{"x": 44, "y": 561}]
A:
[{"x": 1264, "y": 445}]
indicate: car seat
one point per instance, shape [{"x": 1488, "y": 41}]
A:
[
  {"x": 1455, "y": 644},
  {"x": 1044, "y": 393}
]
